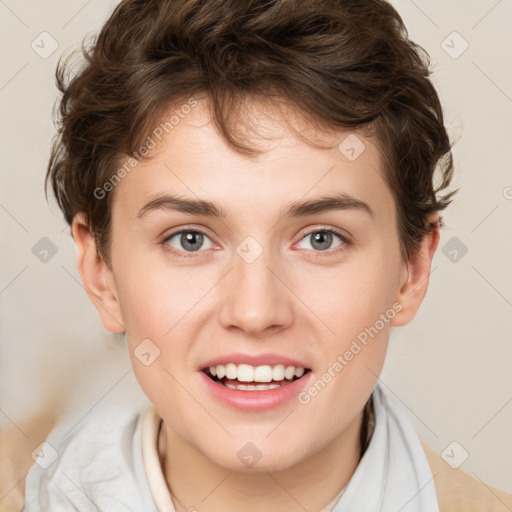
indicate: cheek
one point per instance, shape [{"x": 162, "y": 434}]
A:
[
  {"x": 161, "y": 304},
  {"x": 154, "y": 298},
  {"x": 154, "y": 305},
  {"x": 357, "y": 304},
  {"x": 353, "y": 297}
]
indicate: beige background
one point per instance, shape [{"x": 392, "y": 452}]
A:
[{"x": 450, "y": 368}]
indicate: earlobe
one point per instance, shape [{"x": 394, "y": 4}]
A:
[
  {"x": 97, "y": 277},
  {"x": 416, "y": 274}
]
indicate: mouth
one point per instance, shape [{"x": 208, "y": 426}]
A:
[{"x": 245, "y": 377}]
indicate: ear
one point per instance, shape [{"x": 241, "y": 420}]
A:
[
  {"x": 97, "y": 277},
  {"x": 414, "y": 285}
]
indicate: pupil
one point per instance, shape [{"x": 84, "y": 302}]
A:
[
  {"x": 190, "y": 239},
  {"x": 322, "y": 236}
]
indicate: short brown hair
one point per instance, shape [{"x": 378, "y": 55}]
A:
[{"x": 342, "y": 63}]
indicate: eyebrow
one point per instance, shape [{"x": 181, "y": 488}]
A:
[{"x": 295, "y": 209}]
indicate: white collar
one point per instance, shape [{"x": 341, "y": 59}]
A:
[{"x": 151, "y": 458}]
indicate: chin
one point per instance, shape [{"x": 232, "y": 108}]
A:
[{"x": 256, "y": 456}]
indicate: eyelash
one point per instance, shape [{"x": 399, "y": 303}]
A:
[{"x": 318, "y": 254}]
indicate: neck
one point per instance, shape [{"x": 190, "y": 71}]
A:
[{"x": 196, "y": 482}]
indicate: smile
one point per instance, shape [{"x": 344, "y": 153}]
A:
[
  {"x": 245, "y": 377},
  {"x": 254, "y": 382}
]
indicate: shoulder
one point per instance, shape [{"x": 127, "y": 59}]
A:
[
  {"x": 457, "y": 491},
  {"x": 98, "y": 460}
]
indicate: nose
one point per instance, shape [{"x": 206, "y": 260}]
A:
[{"x": 256, "y": 299}]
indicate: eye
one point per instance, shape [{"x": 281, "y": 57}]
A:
[
  {"x": 321, "y": 240},
  {"x": 186, "y": 241}
]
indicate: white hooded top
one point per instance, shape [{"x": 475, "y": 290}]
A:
[{"x": 111, "y": 464}]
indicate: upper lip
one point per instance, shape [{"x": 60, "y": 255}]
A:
[{"x": 254, "y": 360}]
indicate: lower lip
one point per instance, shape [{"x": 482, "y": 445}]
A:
[{"x": 255, "y": 400}]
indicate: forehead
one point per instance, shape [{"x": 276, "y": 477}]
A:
[{"x": 192, "y": 159}]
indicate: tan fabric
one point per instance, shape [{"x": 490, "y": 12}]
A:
[
  {"x": 16, "y": 446},
  {"x": 458, "y": 491}
]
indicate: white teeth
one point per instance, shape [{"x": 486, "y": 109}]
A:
[
  {"x": 299, "y": 372},
  {"x": 221, "y": 371},
  {"x": 245, "y": 373},
  {"x": 264, "y": 373},
  {"x": 231, "y": 371},
  {"x": 289, "y": 373},
  {"x": 278, "y": 372},
  {"x": 253, "y": 387}
]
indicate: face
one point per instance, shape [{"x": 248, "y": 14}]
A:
[{"x": 293, "y": 303}]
